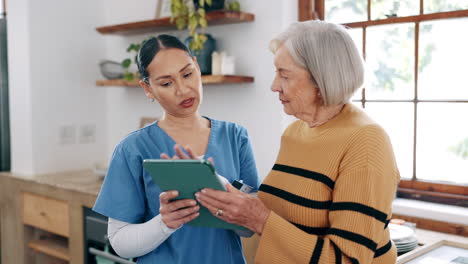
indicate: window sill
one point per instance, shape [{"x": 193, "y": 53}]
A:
[{"x": 433, "y": 211}]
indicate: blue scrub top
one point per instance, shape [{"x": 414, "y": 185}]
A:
[{"x": 129, "y": 194}]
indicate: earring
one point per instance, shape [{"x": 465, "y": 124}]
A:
[{"x": 152, "y": 100}]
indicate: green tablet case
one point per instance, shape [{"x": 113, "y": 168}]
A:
[{"x": 188, "y": 177}]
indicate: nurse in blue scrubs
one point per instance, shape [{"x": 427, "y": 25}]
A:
[{"x": 142, "y": 221}]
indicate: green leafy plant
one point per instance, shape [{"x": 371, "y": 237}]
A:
[
  {"x": 126, "y": 63},
  {"x": 234, "y": 6},
  {"x": 185, "y": 16}
]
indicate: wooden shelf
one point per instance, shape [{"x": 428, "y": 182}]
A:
[
  {"x": 54, "y": 248},
  {"x": 206, "y": 79},
  {"x": 224, "y": 79},
  {"x": 117, "y": 82},
  {"x": 161, "y": 24}
]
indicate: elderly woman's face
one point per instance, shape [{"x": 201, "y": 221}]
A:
[
  {"x": 297, "y": 92},
  {"x": 175, "y": 82}
]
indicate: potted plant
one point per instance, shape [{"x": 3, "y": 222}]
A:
[
  {"x": 191, "y": 14},
  {"x": 186, "y": 14}
]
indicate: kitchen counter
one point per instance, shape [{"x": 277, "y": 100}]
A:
[
  {"x": 79, "y": 189},
  {"x": 83, "y": 181},
  {"x": 73, "y": 190},
  {"x": 427, "y": 237}
]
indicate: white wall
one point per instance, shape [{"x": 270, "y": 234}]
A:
[
  {"x": 252, "y": 105},
  {"x": 53, "y": 51},
  {"x": 20, "y": 99}
]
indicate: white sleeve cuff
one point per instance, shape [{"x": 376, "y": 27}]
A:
[{"x": 164, "y": 228}]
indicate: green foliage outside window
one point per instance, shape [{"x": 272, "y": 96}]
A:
[
  {"x": 460, "y": 149},
  {"x": 385, "y": 73}
]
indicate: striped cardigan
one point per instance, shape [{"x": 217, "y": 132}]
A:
[{"x": 330, "y": 193}]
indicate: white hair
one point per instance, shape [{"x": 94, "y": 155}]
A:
[{"x": 328, "y": 52}]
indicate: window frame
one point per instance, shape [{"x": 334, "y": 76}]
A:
[{"x": 432, "y": 191}]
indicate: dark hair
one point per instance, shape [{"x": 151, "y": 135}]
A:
[{"x": 152, "y": 46}]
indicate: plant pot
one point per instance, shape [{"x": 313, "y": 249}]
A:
[
  {"x": 204, "y": 56},
  {"x": 215, "y": 5}
]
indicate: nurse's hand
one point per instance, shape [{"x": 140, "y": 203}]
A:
[
  {"x": 176, "y": 213},
  {"x": 181, "y": 155}
]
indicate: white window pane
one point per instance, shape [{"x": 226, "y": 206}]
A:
[
  {"x": 434, "y": 6},
  {"x": 356, "y": 35},
  {"x": 357, "y": 96},
  {"x": 443, "y": 54},
  {"x": 397, "y": 120},
  {"x": 345, "y": 11},
  {"x": 358, "y": 104},
  {"x": 442, "y": 146},
  {"x": 393, "y": 8},
  {"x": 390, "y": 62}
]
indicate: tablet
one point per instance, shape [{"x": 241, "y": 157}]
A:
[{"x": 188, "y": 177}]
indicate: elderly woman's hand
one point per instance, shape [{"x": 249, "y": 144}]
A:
[
  {"x": 232, "y": 206},
  {"x": 235, "y": 207}
]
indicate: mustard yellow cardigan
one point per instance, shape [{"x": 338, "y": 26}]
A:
[{"x": 331, "y": 193}]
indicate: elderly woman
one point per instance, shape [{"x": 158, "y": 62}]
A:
[
  {"x": 328, "y": 198},
  {"x": 152, "y": 229}
]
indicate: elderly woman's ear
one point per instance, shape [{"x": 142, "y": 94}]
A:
[{"x": 319, "y": 97}]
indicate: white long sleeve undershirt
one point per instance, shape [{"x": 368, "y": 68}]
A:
[{"x": 134, "y": 240}]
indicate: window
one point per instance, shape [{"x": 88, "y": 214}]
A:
[{"x": 416, "y": 53}]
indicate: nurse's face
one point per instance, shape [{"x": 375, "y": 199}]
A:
[{"x": 175, "y": 82}]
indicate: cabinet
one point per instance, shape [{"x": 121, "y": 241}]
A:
[
  {"x": 45, "y": 213},
  {"x": 41, "y": 217},
  {"x": 214, "y": 18},
  {"x": 1, "y": 228},
  {"x": 50, "y": 218}
]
